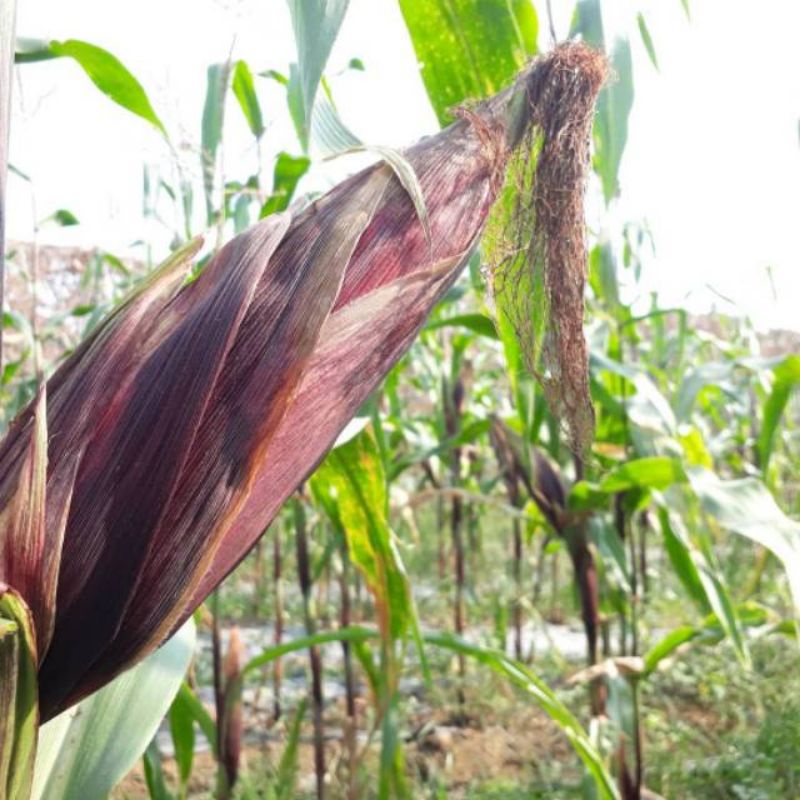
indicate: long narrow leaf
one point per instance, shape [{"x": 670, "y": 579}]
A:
[
  {"x": 104, "y": 69},
  {"x": 316, "y": 26},
  {"x": 109, "y": 731},
  {"x": 529, "y": 682}
]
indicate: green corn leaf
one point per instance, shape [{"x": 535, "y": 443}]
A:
[
  {"x": 181, "y": 726},
  {"x": 746, "y": 507},
  {"x": 615, "y": 101},
  {"x": 287, "y": 174},
  {"x": 534, "y": 686},
  {"x": 481, "y": 324},
  {"x": 647, "y": 408},
  {"x": 18, "y": 696},
  {"x": 611, "y": 125},
  {"x": 245, "y": 92},
  {"x": 695, "y": 381},
  {"x": 469, "y": 49},
  {"x": 154, "y": 774},
  {"x": 710, "y": 632},
  {"x": 667, "y": 645},
  {"x": 694, "y": 562},
  {"x": 85, "y": 751},
  {"x": 679, "y": 552},
  {"x": 351, "y": 487},
  {"x": 353, "y": 634},
  {"x": 63, "y": 217},
  {"x": 286, "y": 778},
  {"x": 104, "y": 69},
  {"x": 656, "y": 472},
  {"x": 647, "y": 39},
  {"x": 199, "y": 714},
  {"x": 786, "y": 378},
  {"x": 316, "y": 25},
  {"x": 211, "y": 135}
]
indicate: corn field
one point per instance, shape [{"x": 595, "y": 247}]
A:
[{"x": 388, "y": 486}]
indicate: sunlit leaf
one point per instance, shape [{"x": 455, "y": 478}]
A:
[
  {"x": 657, "y": 472},
  {"x": 104, "y": 69},
  {"x": 63, "y": 217},
  {"x": 351, "y": 487},
  {"x": 469, "y": 49},
  {"x": 288, "y": 172},
  {"x": 245, "y": 92},
  {"x": 477, "y": 323}
]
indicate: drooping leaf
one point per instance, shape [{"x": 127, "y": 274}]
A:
[
  {"x": 680, "y": 553},
  {"x": 710, "y": 632},
  {"x": 469, "y": 49},
  {"x": 63, "y": 217},
  {"x": 245, "y": 92},
  {"x": 288, "y": 171},
  {"x": 350, "y": 485},
  {"x": 695, "y": 564},
  {"x": 534, "y": 686},
  {"x": 104, "y": 69},
  {"x": 108, "y": 732},
  {"x": 154, "y": 773},
  {"x": 656, "y": 472},
  {"x": 336, "y": 138},
  {"x": 667, "y": 645},
  {"x": 746, "y": 507},
  {"x": 477, "y": 323},
  {"x": 316, "y": 25}
]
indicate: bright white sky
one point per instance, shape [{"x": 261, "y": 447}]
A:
[{"x": 712, "y": 165}]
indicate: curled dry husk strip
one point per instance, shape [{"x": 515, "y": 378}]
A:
[{"x": 179, "y": 427}]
